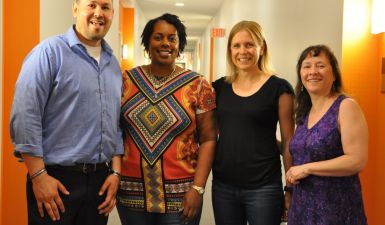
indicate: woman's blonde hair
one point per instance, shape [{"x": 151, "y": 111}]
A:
[{"x": 256, "y": 32}]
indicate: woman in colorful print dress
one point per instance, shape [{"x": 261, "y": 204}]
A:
[
  {"x": 169, "y": 133},
  {"x": 329, "y": 146}
]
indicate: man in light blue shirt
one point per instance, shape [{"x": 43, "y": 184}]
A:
[{"x": 65, "y": 121}]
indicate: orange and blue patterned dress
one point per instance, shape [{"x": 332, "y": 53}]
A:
[{"x": 160, "y": 137}]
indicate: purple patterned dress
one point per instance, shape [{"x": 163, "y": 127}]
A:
[{"x": 324, "y": 200}]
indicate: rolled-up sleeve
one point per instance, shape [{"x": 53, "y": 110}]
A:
[{"x": 31, "y": 93}]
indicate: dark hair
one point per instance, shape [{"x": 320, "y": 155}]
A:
[
  {"x": 302, "y": 100},
  {"x": 171, "y": 19}
]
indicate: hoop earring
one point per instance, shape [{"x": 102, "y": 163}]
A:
[
  {"x": 147, "y": 55},
  {"x": 302, "y": 88}
]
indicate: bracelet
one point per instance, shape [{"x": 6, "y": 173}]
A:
[
  {"x": 288, "y": 189},
  {"x": 116, "y": 173},
  {"x": 38, "y": 173}
]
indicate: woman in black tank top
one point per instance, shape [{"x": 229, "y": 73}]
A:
[{"x": 247, "y": 186}]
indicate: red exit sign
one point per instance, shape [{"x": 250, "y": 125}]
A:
[{"x": 217, "y": 32}]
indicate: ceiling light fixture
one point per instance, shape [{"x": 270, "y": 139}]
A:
[{"x": 179, "y": 4}]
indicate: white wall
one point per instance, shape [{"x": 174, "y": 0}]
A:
[
  {"x": 223, "y": 19},
  {"x": 289, "y": 26},
  {"x": 139, "y": 22},
  {"x": 55, "y": 17},
  {"x": 197, "y": 51}
]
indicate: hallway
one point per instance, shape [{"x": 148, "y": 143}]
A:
[{"x": 290, "y": 26}]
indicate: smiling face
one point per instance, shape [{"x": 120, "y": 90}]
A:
[
  {"x": 164, "y": 44},
  {"x": 93, "y": 20},
  {"x": 317, "y": 74},
  {"x": 245, "y": 52}
]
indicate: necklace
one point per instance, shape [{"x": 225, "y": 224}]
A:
[{"x": 160, "y": 81}]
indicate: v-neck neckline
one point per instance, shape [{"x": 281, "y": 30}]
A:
[{"x": 322, "y": 117}]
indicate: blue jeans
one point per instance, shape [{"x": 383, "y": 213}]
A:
[
  {"x": 236, "y": 206},
  {"x": 130, "y": 217}
]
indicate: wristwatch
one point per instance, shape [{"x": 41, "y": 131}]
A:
[{"x": 200, "y": 190}]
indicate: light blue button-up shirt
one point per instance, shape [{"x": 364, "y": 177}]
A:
[{"x": 66, "y": 106}]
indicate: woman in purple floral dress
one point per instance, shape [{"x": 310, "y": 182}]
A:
[{"x": 329, "y": 147}]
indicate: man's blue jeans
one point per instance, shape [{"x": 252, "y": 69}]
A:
[{"x": 237, "y": 206}]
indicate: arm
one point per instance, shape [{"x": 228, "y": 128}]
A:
[
  {"x": 286, "y": 125},
  {"x": 354, "y": 138},
  {"x": 111, "y": 185},
  {"x": 32, "y": 90},
  {"x": 31, "y": 93},
  {"x": 45, "y": 188},
  {"x": 207, "y": 138}
]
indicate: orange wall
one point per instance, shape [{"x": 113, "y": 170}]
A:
[
  {"x": 361, "y": 56},
  {"x": 127, "y": 31},
  {"x": 380, "y": 168},
  {"x": 211, "y": 75},
  {"x": 361, "y": 76},
  {"x": 20, "y": 35}
]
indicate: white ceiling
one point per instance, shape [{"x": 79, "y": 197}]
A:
[{"x": 195, "y": 14}]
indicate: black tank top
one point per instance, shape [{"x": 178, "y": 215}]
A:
[{"x": 247, "y": 154}]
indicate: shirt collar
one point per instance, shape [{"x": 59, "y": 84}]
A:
[{"x": 74, "y": 40}]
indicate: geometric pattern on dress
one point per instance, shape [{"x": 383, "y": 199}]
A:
[
  {"x": 153, "y": 184},
  {"x": 178, "y": 187},
  {"x": 153, "y": 127},
  {"x": 147, "y": 86},
  {"x": 175, "y": 191},
  {"x": 132, "y": 193},
  {"x": 152, "y": 120},
  {"x": 131, "y": 185}
]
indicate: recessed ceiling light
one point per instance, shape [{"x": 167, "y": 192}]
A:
[{"x": 179, "y": 4}]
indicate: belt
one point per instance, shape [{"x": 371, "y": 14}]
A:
[{"x": 82, "y": 167}]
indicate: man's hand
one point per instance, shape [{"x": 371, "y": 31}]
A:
[
  {"x": 46, "y": 190},
  {"x": 111, "y": 185}
]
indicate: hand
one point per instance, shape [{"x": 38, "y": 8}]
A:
[
  {"x": 192, "y": 203},
  {"x": 111, "y": 185},
  {"x": 296, "y": 173},
  {"x": 286, "y": 207},
  {"x": 46, "y": 193}
]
